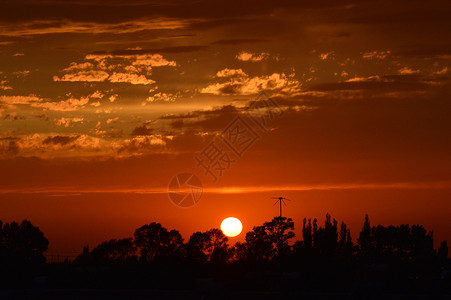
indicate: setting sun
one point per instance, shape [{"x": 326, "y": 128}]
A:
[{"x": 231, "y": 227}]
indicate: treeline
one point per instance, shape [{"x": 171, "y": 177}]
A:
[
  {"x": 270, "y": 242},
  {"x": 326, "y": 258},
  {"x": 24, "y": 243}
]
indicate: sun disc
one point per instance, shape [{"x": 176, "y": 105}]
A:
[{"x": 231, "y": 226}]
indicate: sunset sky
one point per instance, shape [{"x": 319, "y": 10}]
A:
[{"x": 103, "y": 102}]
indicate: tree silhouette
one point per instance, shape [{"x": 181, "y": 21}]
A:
[
  {"x": 401, "y": 242},
  {"x": 22, "y": 243},
  {"x": 442, "y": 251},
  {"x": 345, "y": 244},
  {"x": 258, "y": 245},
  {"x": 421, "y": 243},
  {"x": 365, "y": 240},
  {"x": 265, "y": 242},
  {"x": 280, "y": 230},
  {"x": 155, "y": 242},
  {"x": 209, "y": 246},
  {"x": 325, "y": 239},
  {"x": 307, "y": 233},
  {"x": 115, "y": 251}
]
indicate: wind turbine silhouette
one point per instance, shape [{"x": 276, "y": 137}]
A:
[{"x": 280, "y": 200}]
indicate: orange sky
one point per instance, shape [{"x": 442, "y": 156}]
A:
[{"x": 103, "y": 102}]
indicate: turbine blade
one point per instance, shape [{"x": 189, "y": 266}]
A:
[{"x": 276, "y": 202}]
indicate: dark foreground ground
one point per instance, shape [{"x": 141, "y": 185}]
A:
[
  {"x": 362, "y": 292},
  {"x": 376, "y": 281}
]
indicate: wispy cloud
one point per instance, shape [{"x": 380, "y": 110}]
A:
[
  {"x": 20, "y": 99},
  {"x": 376, "y": 54},
  {"x": 70, "y": 104},
  {"x": 39, "y": 27},
  {"x": 66, "y": 191}
]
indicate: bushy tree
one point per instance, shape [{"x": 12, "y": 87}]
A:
[
  {"x": 22, "y": 243},
  {"x": 401, "y": 242},
  {"x": 209, "y": 246},
  {"x": 157, "y": 243},
  {"x": 271, "y": 239}
]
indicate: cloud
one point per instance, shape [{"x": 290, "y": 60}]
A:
[
  {"x": 247, "y": 56},
  {"x": 214, "y": 119},
  {"x": 142, "y": 130},
  {"x": 376, "y": 54},
  {"x": 79, "y": 66},
  {"x": 9, "y": 146},
  {"x": 126, "y": 41},
  {"x": 327, "y": 55},
  {"x": 245, "y": 85},
  {"x": 162, "y": 97},
  {"x": 375, "y": 78},
  {"x": 130, "y": 78},
  {"x": 60, "y": 140},
  {"x": 54, "y": 145},
  {"x": 443, "y": 71},
  {"x": 84, "y": 76},
  {"x": 112, "y": 98},
  {"x": 70, "y": 104},
  {"x": 97, "y": 94},
  {"x": 39, "y": 27},
  {"x": 5, "y": 107},
  {"x": 112, "y": 120},
  {"x": 139, "y": 51},
  {"x": 67, "y": 121},
  {"x": 13, "y": 117},
  {"x": 154, "y": 60},
  {"x": 20, "y": 99},
  {"x": 22, "y": 74},
  {"x": 104, "y": 111},
  {"x": 4, "y": 86},
  {"x": 230, "y": 73},
  {"x": 376, "y": 84},
  {"x": 142, "y": 144},
  {"x": 238, "y": 41},
  {"x": 407, "y": 71},
  {"x": 124, "y": 68}
]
